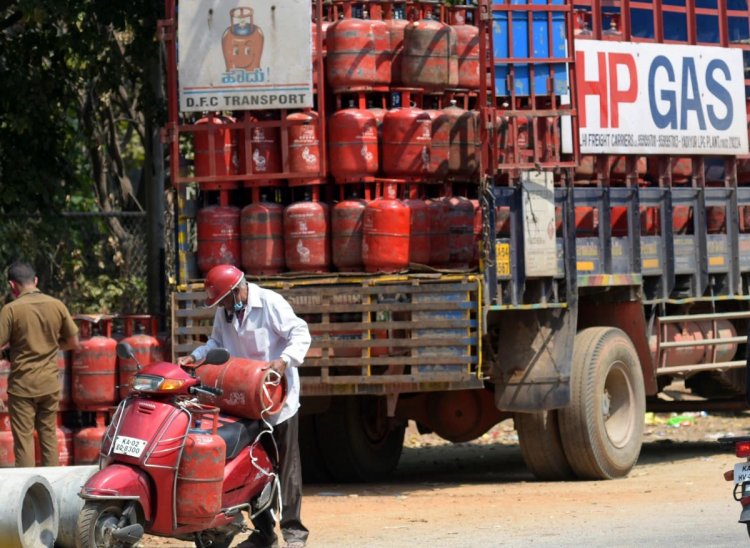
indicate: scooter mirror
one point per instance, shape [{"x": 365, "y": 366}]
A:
[
  {"x": 125, "y": 351},
  {"x": 217, "y": 356}
]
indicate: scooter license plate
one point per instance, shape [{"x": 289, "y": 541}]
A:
[
  {"x": 741, "y": 472},
  {"x": 130, "y": 447}
]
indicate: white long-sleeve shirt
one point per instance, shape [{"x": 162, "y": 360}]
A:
[{"x": 269, "y": 330}]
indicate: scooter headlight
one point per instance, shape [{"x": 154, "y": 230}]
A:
[{"x": 153, "y": 383}]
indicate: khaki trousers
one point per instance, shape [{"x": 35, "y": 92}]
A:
[{"x": 29, "y": 413}]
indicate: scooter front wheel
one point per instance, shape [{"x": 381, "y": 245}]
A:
[{"x": 101, "y": 524}]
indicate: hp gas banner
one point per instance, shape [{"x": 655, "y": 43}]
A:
[
  {"x": 244, "y": 55},
  {"x": 660, "y": 99}
]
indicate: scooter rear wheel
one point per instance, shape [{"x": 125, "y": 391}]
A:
[{"x": 96, "y": 522}]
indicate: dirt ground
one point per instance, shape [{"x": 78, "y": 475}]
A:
[{"x": 480, "y": 494}]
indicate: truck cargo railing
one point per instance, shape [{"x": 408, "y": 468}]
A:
[{"x": 378, "y": 335}]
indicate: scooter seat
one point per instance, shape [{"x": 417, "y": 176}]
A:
[{"x": 238, "y": 434}]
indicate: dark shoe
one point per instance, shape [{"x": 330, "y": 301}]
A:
[{"x": 257, "y": 541}]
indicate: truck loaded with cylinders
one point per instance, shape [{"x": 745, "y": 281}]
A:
[{"x": 483, "y": 210}]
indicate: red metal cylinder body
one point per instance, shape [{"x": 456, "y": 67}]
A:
[
  {"x": 94, "y": 369},
  {"x": 467, "y": 50},
  {"x": 430, "y": 59},
  {"x": 7, "y": 458},
  {"x": 200, "y": 476},
  {"x": 141, "y": 337},
  {"x": 346, "y": 235},
  {"x": 87, "y": 442},
  {"x": 440, "y": 147},
  {"x": 716, "y": 220},
  {"x": 419, "y": 231},
  {"x": 260, "y": 148},
  {"x": 396, "y": 36},
  {"x": 358, "y": 53},
  {"x": 460, "y": 221},
  {"x": 250, "y": 390},
  {"x": 262, "y": 238},
  {"x": 307, "y": 237},
  {"x": 463, "y": 157},
  {"x": 587, "y": 221},
  {"x": 438, "y": 213},
  {"x": 682, "y": 219},
  {"x": 304, "y": 148},
  {"x": 695, "y": 332},
  {"x": 353, "y": 144},
  {"x": 215, "y": 144},
  {"x": 385, "y": 244},
  {"x": 723, "y": 352},
  {"x": 64, "y": 445},
  {"x": 4, "y": 374},
  {"x": 64, "y": 360},
  {"x": 218, "y": 237},
  {"x": 407, "y": 141}
]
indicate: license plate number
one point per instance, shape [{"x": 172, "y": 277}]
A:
[
  {"x": 130, "y": 447},
  {"x": 741, "y": 472}
]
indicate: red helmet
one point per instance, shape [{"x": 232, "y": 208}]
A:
[{"x": 220, "y": 280}]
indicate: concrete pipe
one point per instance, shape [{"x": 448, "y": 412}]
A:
[{"x": 29, "y": 515}]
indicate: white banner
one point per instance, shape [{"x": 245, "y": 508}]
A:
[
  {"x": 244, "y": 54},
  {"x": 660, "y": 99}
]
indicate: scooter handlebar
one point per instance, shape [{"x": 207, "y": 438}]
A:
[{"x": 207, "y": 390}]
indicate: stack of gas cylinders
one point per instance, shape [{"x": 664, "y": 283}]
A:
[
  {"x": 398, "y": 184},
  {"x": 93, "y": 380}
]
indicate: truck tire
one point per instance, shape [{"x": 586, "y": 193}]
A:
[
  {"x": 313, "y": 467},
  {"x": 602, "y": 428},
  {"x": 541, "y": 447},
  {"x": 358, "y": 441}
]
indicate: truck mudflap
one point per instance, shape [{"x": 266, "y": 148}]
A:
[
  {"x": 531, "y": 366},
  {"x": 374, "y": 335}
]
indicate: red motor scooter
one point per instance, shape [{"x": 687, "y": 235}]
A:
[
  {"x": 740, "y": 475},
  {"x": 173, "y": 467}
]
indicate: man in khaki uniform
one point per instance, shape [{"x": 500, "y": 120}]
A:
[{"x": 35, "y": 326}]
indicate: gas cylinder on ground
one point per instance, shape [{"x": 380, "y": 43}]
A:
[
  {"x": 307, "y": 237},
  {"x": 87, "y": 441},
  {"x": 4, "y": 374},
  {"x": 346, "y": 234},
  {"x": 358, "y": 53},
  {"x": 262, "y": 238},
  {"x": 419, "y": 231},
  {"x": 304, "y": 148},
  {"x": 94, "y": 366},
  {"x": 64, "y": 359},
  {"x": 385, "y": 243},
  {"x": 438, "y": 213},
  {"x": 353, "y": 144},
  {"x": 463, "y": 160},
  {"x": 200, "y": 475},
  {"x": 406, "y": 142},
  {"x": 440, "y": 129},
  {"x": 396, "y": 28},
  {"x": 460, "y": 221},
  {"x": 215, "y": 145},
  {"x": 140, "y": 331},
  {"x": 250, "y": 389},
  {"x": 218, "y": 237},
  {"x": 467, "y": 50},
  {"x": 430, "y": 59},
  {"x": 259, "y": 147}
]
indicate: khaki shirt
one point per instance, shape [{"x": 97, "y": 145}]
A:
[{"x": 34, "y": 324}]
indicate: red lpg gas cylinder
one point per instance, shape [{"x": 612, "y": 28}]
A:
[
  {"x": 682, "y": 219},
  {"x": 587, "y": 221},
  {"x": 419, "y": 231},
  {"x": 460, "y": 221},
  {"x": 353, "y": 144},
  {"x": 396, "y": 28},
  {"x": 307, "y": 236},
  {"x": 430, "y": 59},
  {"x": 215, "y": 151},
  {"x": 262, "y": 238},
  {"x": 250, "y": 390},
  {"x": 200, "y": 476},
  {"x": 467, "y": 50},
  {"x": 304, "y": 148},
  {"x": 94, "y": 367},
  {"x": 87, "y": 441},
  {"x": 463, "y": 161},
  {"x": 4, "y": 373},
  {"x": 64, "y": 445},
  {"x": 346, "y": 234},
  {"x": 438, "y": 214},
  {"x": 406, "y": 142},
  {"x": 619, "y": 221},
  {"x": 440, "y": 128},
  {"x": 259, "y": 147},
  {"x": 140, "y": 331},
  {"x": 218, "y": 237},
  {"x": 64, "y": 360},
  {"x": 716, "y": 220},
  {"x": 385, "y": 244},
  {"x": 7, "y": 458},
  {"x": 4, "y": 421},
  {"x": 358, "y": 53}
]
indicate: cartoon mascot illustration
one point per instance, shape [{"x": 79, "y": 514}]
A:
[{"x": 242, "y": 42}]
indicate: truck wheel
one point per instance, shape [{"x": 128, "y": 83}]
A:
[
  {"x": 541, "y": 447},
  {"x": 358, "y": 441},
  {"x": 96, "y": 522},
  {"x": 602, "y": 428},
  {"x": 313, "y": 465}
]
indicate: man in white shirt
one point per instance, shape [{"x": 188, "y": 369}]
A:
[{"x": 259, "y": 324}]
